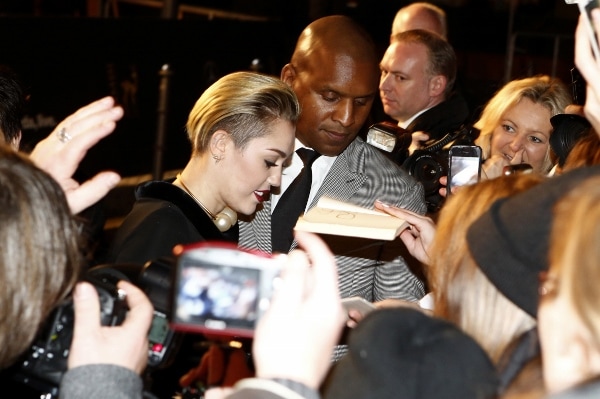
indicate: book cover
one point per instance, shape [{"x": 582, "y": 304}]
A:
[{"x": 335, "y": 217}]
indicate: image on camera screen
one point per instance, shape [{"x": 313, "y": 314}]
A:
[{"x": 217, "y": 297}]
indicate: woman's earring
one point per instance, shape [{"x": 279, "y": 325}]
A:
[{"x": 217, "y": 159}]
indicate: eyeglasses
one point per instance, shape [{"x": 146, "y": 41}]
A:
[{"x": 548, "y": 284}]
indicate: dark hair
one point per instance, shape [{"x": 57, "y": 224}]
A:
[{"x": 12, "y": 103}]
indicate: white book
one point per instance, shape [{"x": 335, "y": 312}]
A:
[{"x": 331, "y": 216}]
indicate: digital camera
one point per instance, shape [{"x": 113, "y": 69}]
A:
[
  {"x": 221, "y": 289},
  {"x": 426, "y": 165},
  {"x": 430, "y": 163},
  {"x": 42, "y": 367}
]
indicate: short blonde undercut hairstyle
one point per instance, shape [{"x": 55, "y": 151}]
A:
[{"x": 243, "y": 104}]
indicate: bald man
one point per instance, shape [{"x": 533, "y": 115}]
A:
[
  {"x": 334, "y": 71},
  {"x": 420, "y": 15}
]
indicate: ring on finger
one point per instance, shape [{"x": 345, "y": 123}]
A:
[{"x": 63, "y": 136}]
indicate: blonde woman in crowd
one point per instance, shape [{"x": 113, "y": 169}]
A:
[
  {"x": 241, "y": 132},
  {"x": 515, "y": 124}
]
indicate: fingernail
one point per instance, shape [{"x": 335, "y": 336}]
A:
[
  {"x": 82, "y": 290},
  {"x": 113, "y": 179},
  {"x": 384, "y": 204},
  {"x": 117, "y": 110}
]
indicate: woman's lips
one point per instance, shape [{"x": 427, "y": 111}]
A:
[{"x": 262, "y": 195}]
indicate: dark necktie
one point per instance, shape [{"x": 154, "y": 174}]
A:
[{"x": 292, "y": 203}]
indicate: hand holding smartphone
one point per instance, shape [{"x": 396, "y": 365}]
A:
[
  {"x": 464, "y": 166},
  {"x": 359, "y": 304}
]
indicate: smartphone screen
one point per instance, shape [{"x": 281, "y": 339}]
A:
[{"x": 464, "y": 165}]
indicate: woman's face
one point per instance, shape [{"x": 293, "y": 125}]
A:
[
  {"x": 252, "y": 171},
  {"x": 523, "y": 134}
]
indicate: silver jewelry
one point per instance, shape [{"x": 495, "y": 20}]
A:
[
  {"x": 63, "y": 136},
  {"x": 217, "y": 158},
  {"x": 224, "y": 220}
]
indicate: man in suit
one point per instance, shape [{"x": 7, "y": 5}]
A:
[
  {"x": 417, "y": 89},
  {"x": 334, "y": 72}
]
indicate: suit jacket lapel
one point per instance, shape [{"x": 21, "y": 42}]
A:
[
  {"x": 346, "y": 175},
  {"x": 343, "y": 180}
]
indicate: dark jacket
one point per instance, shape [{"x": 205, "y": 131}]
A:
[
  {"x": 447, "y": 123},
  {"x": 446, "y": 117},
  {"x": 163, "y": 216}
]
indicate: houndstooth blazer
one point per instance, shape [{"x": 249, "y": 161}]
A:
[{"x": 371, "y": 269}]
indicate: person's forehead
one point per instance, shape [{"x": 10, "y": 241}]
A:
[
  {"x": 399, "y": 51},
  {"x": 345, "y": 75}
]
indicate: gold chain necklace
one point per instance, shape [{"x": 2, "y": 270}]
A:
[{"x": 187, "y": 190}]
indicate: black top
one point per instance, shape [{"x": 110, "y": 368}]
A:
[{"x": 162, "y": 216}]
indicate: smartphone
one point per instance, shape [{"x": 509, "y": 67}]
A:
[
  {"x": 358, "y": 303},
  {"x": 585, "y": 8},
  {"x": 464, "y": 165},
  {"x": 221, "y": 289}
]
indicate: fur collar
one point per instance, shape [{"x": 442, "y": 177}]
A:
[{"x": 166, "y": 191}]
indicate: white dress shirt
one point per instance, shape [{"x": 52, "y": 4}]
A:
[{"x": 319, "y": 170}]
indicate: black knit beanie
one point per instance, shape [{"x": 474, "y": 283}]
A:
[
  {"x": 403, "y": 353},
  {"x": 510, "y": 242}
]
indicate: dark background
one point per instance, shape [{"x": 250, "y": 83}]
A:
[{"x": 70, "y": 53}]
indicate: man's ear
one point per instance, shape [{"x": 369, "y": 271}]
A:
[
  {"x": 437, "y": 85},
  {"x": 288, "y": 74}
]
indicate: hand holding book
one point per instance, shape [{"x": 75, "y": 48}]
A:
[{"x": 331, "y": 216}]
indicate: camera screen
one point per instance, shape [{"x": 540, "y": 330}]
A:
[
  {"x": 217, "y": 297},
  {"x": 465, "y": 170},
  {"x": 159, "y": 329},
  {"x": 159, "y": 339}
]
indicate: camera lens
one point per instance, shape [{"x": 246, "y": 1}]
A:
[{"x": 427, "y": 168}]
